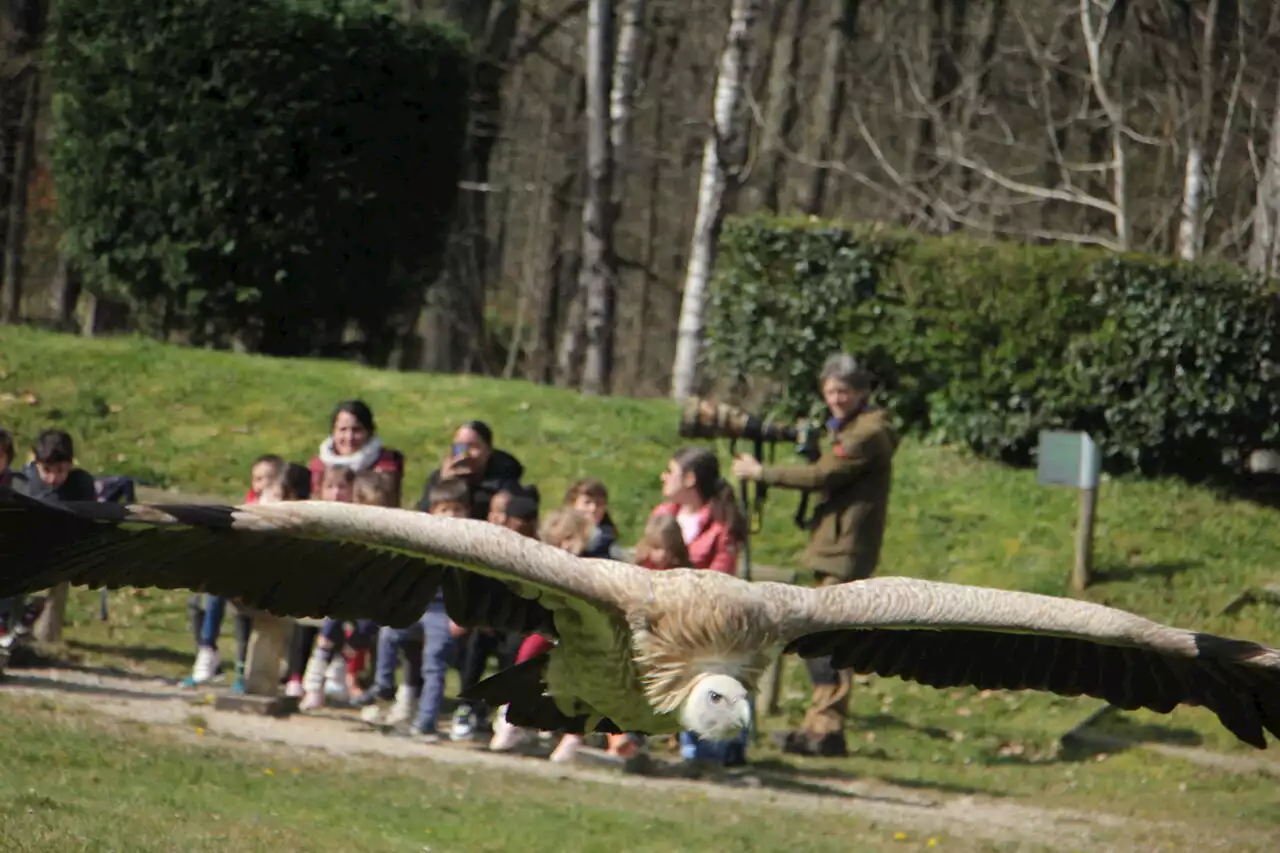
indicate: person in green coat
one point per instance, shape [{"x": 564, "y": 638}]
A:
[{"x": 853, "y": 478}]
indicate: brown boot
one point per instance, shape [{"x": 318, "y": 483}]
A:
[{"x": 828, "y": 745}]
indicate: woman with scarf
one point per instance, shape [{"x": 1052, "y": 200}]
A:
[{"x": 353, "y": 444}]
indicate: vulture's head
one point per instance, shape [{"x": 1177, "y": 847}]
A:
[{"x": 717, "y": 708}]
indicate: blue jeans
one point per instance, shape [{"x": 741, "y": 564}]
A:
[
  {"x": 731, "y": 752},
  {"x": 437, "y": 650},
  {"x": 363, "y": 636},
  {"x": 391, "y": 642},
  {"x": 215, "y": 608},
  {"x": 11, "y": 611}
]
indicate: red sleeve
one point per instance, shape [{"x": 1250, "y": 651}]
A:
[
  {"x": 316, "y": 467},
  {"x": 391, "y": 461},
  {"x": 251, "y": 497},
  {"x": 724, "y": 555}
]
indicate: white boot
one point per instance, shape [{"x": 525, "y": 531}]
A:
[
  {"x": 335, "y": 678},
  {"x": 405, "y": 707},
  {"x": 313, "y": 681}
]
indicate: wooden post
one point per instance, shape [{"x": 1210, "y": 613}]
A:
[
  {"x": 1082, "y": 569},
  {"x": 1073, "y": 459},
  {"x": 48, "y": 628},
  {"x": 268, "y": 645}
]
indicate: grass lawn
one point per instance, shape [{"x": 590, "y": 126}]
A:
[
  {"x": 194, "y": 420},
  {"x": 74, "y": 781}
]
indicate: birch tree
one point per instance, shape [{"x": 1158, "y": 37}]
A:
[
  {"x": 714, "y": 184},
  {"x": 1264, "y": 248},
  {"x": 611, "y": 76},
  {"x": 599, "y": 275},
  {"x": 1219, "y": 45}
]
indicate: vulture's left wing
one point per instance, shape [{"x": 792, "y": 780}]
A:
[
  {"x": 947, "y": 635},
  {"x": 308, "y": 558}
]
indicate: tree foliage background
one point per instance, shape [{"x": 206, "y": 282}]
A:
[{"x": 274, "y": 170}]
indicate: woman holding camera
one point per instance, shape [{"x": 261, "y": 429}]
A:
[{"x": 846, "y": 529}]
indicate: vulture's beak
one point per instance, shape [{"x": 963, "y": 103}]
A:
[{"x": 744, "y": 713}]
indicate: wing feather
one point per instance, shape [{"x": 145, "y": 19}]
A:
[
  {"x": 307, "y": 558},
  {"x": 947, "y": 635}
]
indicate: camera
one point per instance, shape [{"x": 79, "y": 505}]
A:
[{"x": 703, "y": 418}]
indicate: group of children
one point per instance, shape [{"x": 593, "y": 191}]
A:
[{"x": 327, "y": 669}]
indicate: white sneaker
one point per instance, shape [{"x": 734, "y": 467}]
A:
[
  {"x": 405, "y": 707},
  {"x": 463, "y": 724},
  {"x": 205, "y": 667},
  {"x": 335, "y": 678},
  {"x": 311, "y": 700},
  {"x": 567, "y": 750},
  {"x": 505, "y": 736}
]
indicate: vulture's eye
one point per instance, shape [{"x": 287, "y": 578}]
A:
[{"x": 714, "y": 697}]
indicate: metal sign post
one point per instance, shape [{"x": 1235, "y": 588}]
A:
[{"x": 1072, "y": 459}]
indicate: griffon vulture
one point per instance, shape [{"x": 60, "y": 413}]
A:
[{"x": 638, "y": 650}]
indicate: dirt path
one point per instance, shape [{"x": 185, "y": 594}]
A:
[{"x": 159, "y": 702}]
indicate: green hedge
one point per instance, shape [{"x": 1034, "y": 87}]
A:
[
  {"x": 281, "y": 166},
  {"x": 1167, "y": 364}
]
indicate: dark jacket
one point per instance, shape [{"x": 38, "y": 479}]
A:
[
  {"x": 78, "y": 486},
  {"x": 602, "y": 540},
  {"x": 501, "y": 471},
  {"x": 853, "y": 478}
]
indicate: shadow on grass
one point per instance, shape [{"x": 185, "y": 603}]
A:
[
  {"x": 780, "y": 769},
  {"x": 19, "y": 679},
  {"x": 1116, "y": 573},
  {"x": 141, "y": 654}
]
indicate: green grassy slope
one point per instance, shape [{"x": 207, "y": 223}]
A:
[{"x": 194, "y": 420}]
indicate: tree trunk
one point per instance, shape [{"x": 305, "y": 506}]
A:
[
  {"x": 715, "y": 183},
  {"x": 1102, "y": 40},
  {"x": 491, "y": 26},
  {"x": 64, "y": 293},
  {"x": 599, "y": 274},
  {"x": 550, "y": 363},
  {"x": 830, "y": 103},
  {"x": 640, "y": 326},
  {"x": 23, "y": 166},
  {"x": 1264, "y": 248},
  {"x": 1191, "y": 225},
  {"x": 780, "y": 111}
]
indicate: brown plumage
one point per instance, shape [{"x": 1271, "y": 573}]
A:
[{"x": 638, "y": 651}]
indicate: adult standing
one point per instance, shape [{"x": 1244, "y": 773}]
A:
[{"x": 847, "y": 527}]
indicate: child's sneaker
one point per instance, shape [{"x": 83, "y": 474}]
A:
[
  {"x": 205, "y": 668},
  {"x": 293, "y": 689},
  {"x": 567, "y": 749},
  {"x": 405, "y": 707},
  {"x": 506, "y": 737},
  {"x": 463, "y": 725}
]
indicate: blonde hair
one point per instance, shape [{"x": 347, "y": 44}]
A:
[
  {"x": 591, "y": 487},
  {"x": 566, "y": 528},
  {"x": 337, "y": 474},
  {"x": 375, "y": 488},
  {"x": 663, "y": 532}
]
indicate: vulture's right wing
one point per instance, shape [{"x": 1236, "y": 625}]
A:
[
  {"x": 309, "y": 558},
  {"x": 947, "y": 635}
]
